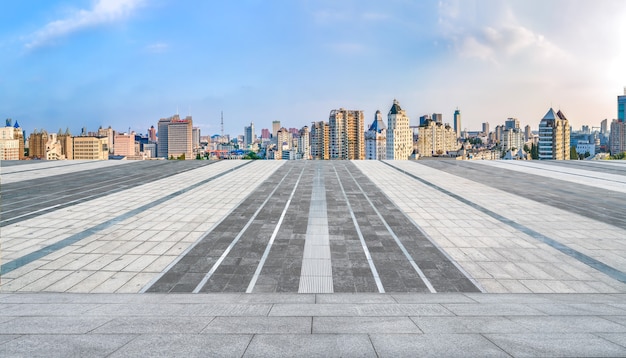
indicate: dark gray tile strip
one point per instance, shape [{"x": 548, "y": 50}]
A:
[
  {"x": 26, "y": 259},
  {"x": 587, "y": 260}
]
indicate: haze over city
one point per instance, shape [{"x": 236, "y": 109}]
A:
[{"x": 127, "y": 63}]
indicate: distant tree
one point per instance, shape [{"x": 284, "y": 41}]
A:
[
  {"x": 618, "y": 156},
  {"x": 198, "y": 157},
  {"x": 587, "y": 154},
  {"x": 526, "y": 149},
  {"x": 534, "y": 151},
  {"x": 251, "y": 155},
  {"x": 573, "y": 155},
  {"x": 172, "y": 157}
]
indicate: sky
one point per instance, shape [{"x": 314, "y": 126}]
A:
[{"x": 127, "y": 63}]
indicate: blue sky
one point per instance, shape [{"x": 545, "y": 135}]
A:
[{"x": 127, "y": 63}]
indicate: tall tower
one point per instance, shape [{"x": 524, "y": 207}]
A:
[
  {"x": 275, "y": 128},
  {"x": 554, "y": 136},
  {"x": 457, "y": 122},
  {"x": 376, "y": 139},
  {"x": 399, "y": 135},
  {"x": 621, "y": 104},
  {"x": 347, "y": 134}
]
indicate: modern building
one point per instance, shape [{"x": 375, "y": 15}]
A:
[
  {"x": 512, "y": 136},
  {"x": 124, "y": 144},
  {"x": 320, "y": 140},
  {"x": 304, "y": 143},
  {"x": 376, "y": 139},
  {"x": 554, "y": 136},
  {"x": 347, "y": 134},
  {"x": 435, "y": 139},
  {"x": 437, "y": 117},
  {"x": 399, "y": 134},
  {"x": 265, "y": 134},
  {"x": 275, "y": 128},
  {"x": 486, "y": 128},
  {"x": 604, "y": 126},
  {"x": 283, "y": 142},
  {"x": 90, "y": 148},
  {"x": 37, "y": 144},
  {"x": 152, "y": 134},
  {"x": 424, "y": 118},
  {"x": 13, "y": 132},
  {"x": 528, "y": 133},
  {"x": 110, "y": 134},
  {"x": 250, "y": 135},
  {"x": 175, "y": 137},
  {"x": 195, "y": 139},
  {"x": 617, "y": 137},
  {"x": 457, "y": 123},
  {"x": 9, "y": 146},
  {"x": 621, "y": 107}
]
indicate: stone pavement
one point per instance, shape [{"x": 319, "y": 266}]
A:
[
  {"x": 307, "y": 258},
  {"x": 313, "y": 325}
]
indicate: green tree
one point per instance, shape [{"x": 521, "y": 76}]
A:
[
  {"x": 534, "y": 151},
  {"x": 573, "y": 155},
  {"x": 251, "y": 155}
]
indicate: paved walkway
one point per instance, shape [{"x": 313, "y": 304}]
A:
[{"x": 313, "y": 325}]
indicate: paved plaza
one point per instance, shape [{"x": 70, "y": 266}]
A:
[{"x": 313, "y": 258}]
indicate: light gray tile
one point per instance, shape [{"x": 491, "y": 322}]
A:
[
  {"x": 491, "y": 309},
  {"x": 434, "y": 345},
  {"x": 364, "y": 325},
  {"x": 52, "y": 325},
  {"x": 154, "y": 325},
  {"x": 468, "y": 324},
  {"x": 259, "y": 325},
  {"x": 556, "y": 345},
  {"x": 618, "y": 338},
  {"x": 354, "y": 298},
  {"x": 569, "y": 324},
  {"x": 185, "y": 345},
  {"x": 342, "y": 310},
  {"x": 317, "y": 345},
  {"x": 55, "y": 309},
  {"x": 432, "y": 298},
  {"x": 64, "y": 345},
  {"x": 570, "y": 309}
]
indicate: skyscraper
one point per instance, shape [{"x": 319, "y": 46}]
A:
[
  {"x": 304, "y": 143},
  {"x": 175, "y": 137},
  {"x": 621, "y": 105},
  {"x": 399, "y": 135},
  {"x": 152, "y": 134},
  {"x": 250, "y": 136},
  {"x": 320, "y": 140},
  {"x": 162, "y": 137},
  {"x": 554, "y": 136},
  {"x": 275, "y": 128},
  {"x": 457, "y": 123},
  {"x": 347, "y": 134},
  {"x": 376, "y": 139},
  {"x": 486, "y": 128}
]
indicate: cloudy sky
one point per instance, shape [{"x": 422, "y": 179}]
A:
[{"x": 127, "y": 63}]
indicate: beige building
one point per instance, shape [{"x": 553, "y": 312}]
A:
[
  {"x": 320, "y": 141},
  {"x": 180, "y": 138},
  {"x": 91, "y": 148},
  {"x": 124, "y": 144},
  {"x": 554, "y": 136},
  {"x": 9, "y": 145},
  {"x": 109, "y": 133},
  {"x": 435, "y": 138},
  {"x": 304, "y": 143},
  {"x": 376, "y": 139},
  {"x": 399, "y": 134},
  {"x": 37, "y": 144},
  {"x": 283, "y": 142},
  {"x": 617, "y": 137},
  {"x": 347, "y": 134}
]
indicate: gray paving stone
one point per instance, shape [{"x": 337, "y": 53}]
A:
[
  {"x": 354, "y": 298},
  {"x": 569, "y": 324},
  {"x": 579, "y": 309},
  {"x": 259, "y": 325},
  {"x": 434, "y": 345},
  {"x": 52, "y": 325},
  {"x": 363, "y": 310},
  {"x": 185, "y": 345},
  {"x": 154, "y": 325},
  {"x": 617, "y": 338},
  {"x": 556, "y": 345},
  {"x": 55, "y": 309},
  {"x": 64, "y": 345},
  {"x": 364, "y": 325},
  {"x": 492, "y": 309},
  {"x": 432, "y": 298},
  {"x": 317, "y": 345},
  {"x": 470, "y": 324}
]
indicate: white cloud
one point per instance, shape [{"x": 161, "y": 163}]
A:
[
  {"x": 103, "y": 12},
  {"x": 158, "y": 47}
]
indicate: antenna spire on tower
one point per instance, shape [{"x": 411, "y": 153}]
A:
[{"x": 222, "y": 127}]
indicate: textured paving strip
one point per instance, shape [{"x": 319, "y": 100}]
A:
[
  {"x": 572, "y": 197},
  {"x": 30, "y": 198},
  {"x": 396, "y": 270},
  {"x": 26, "y": 259},
  {"x": 610, "y": 271},
  {"x": 236, "y": 270}
]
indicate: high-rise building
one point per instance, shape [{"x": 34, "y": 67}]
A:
[
  {"x": 554, "y": 136},
  {"x": 9, "y": 145},
  {"x": 180, "y": 138},
  {"x": 152, "y": 134},
  {"x": 617, "y": 137},
  {"x": 376, "y": 139},
  {"x": 37, "y": 144},
  {"x": 486, "y": 128},
  {"x": 250, "y": 135},
  {"x": 320, "y": 140},
  {"x": 621, "y": 107},
  {"x": 528, "y": 134},
  {"x": 265, "y": 134},
  {"x": 195, "y": 139},
  {"x": 511, "y": 123},
  {"x": 437, "y": 117},
  {"x": 283, "y": 142},
  {"x": 16, "y": 132},
  {"x": 436, "y": 139},
  {"x": 275, "y": 128},
  {"x": 424, "y": 118},
  {"x": 347, "y": 134},
  {"x": 457, "y": 122},
  {"x": 304, "y": 143},
  {"x": 604, "y": 126},
  {"x": 399, "y": 135},
  {"x": 107, "y": 132},
  {"x": 175, "y": 137}
]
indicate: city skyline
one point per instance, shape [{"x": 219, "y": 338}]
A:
[{"x": 110, "y": 63}]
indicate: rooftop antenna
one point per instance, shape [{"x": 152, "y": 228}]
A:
[{"x": 222, "y": 127}]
